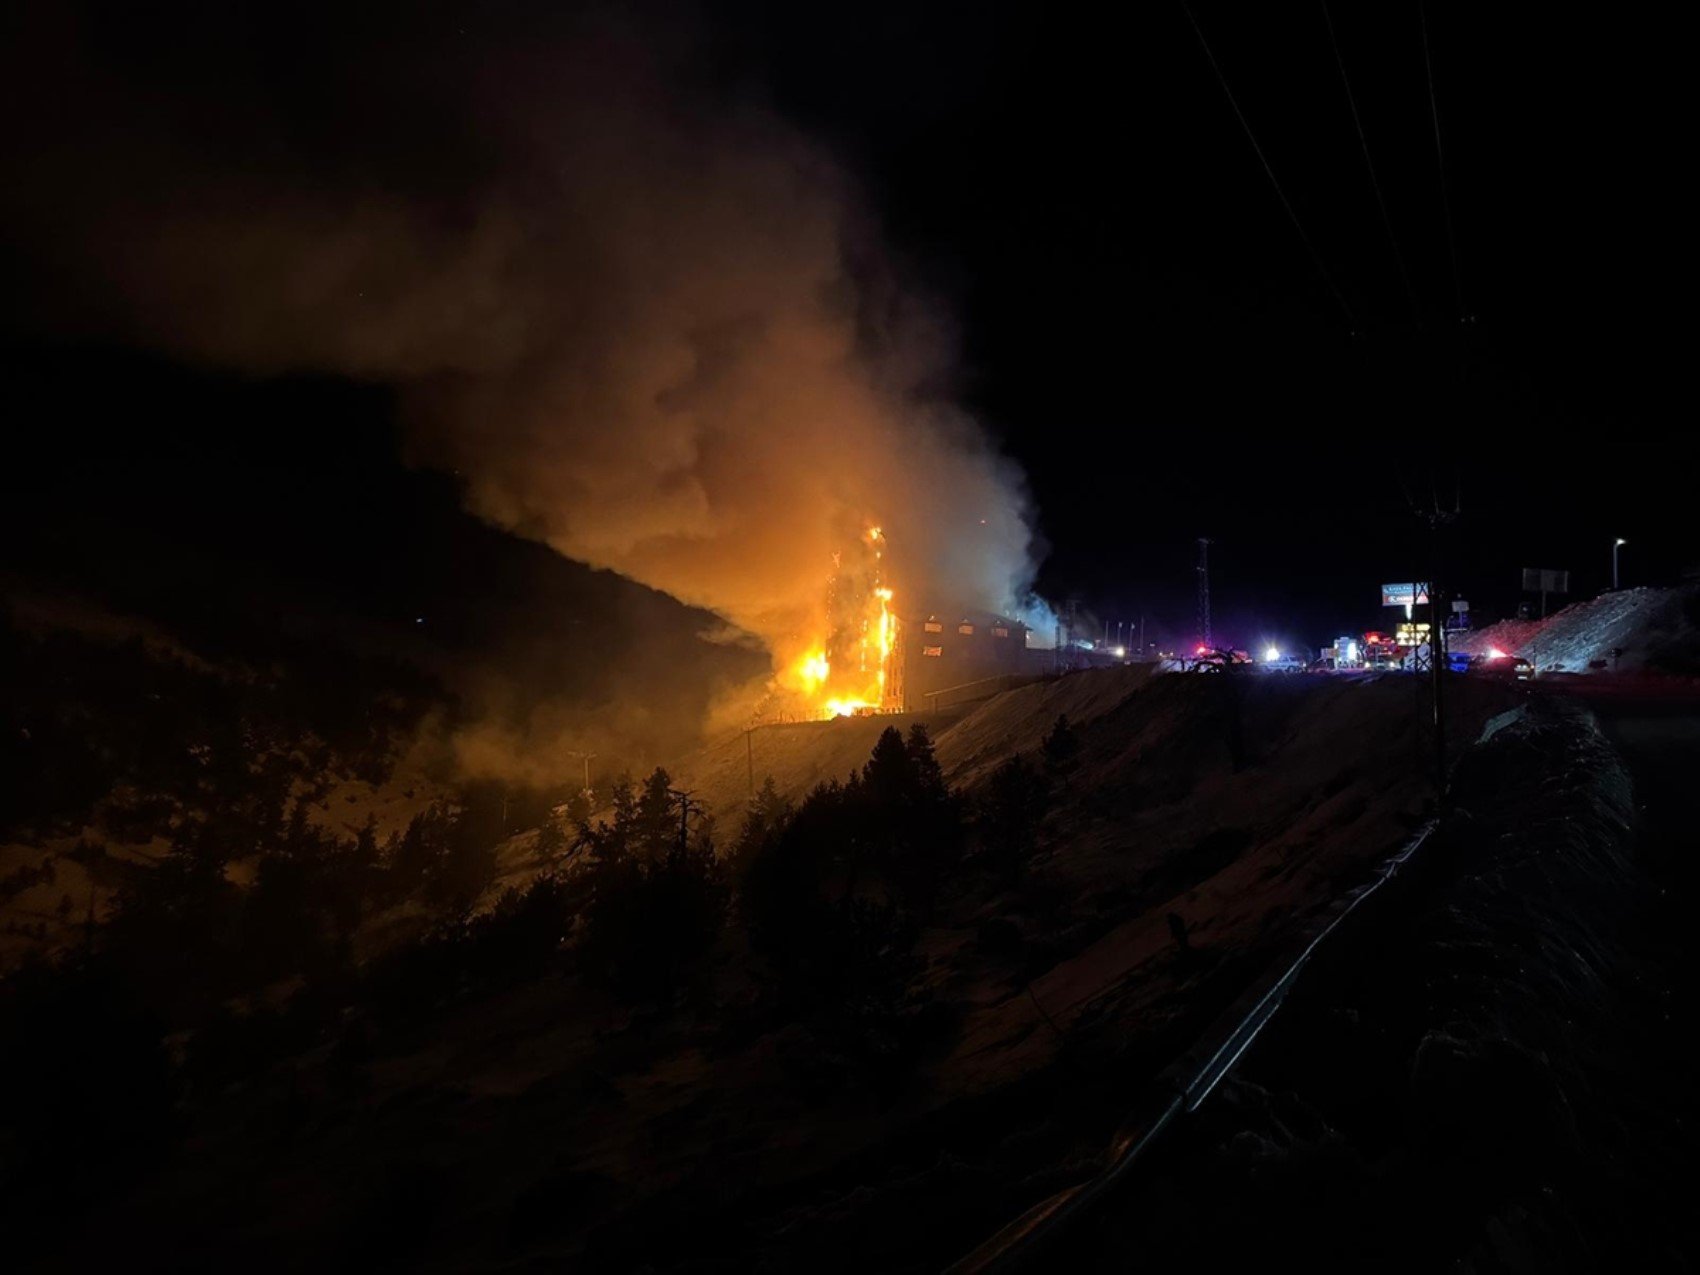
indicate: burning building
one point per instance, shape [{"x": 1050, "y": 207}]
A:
[
  {"x": 864, "y": 659},
  {"x": 852, "y": 667},
  {"x": 943, "y": 651}
]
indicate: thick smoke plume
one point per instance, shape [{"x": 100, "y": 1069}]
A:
[{"x": 646, "y": 324}]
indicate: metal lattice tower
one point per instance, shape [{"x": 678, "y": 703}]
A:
[{"x": 1204, "y": 593}]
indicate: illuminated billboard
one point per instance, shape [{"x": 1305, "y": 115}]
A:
[{"x": 1403, "y": 595}]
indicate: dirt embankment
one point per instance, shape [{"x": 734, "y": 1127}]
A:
[
  {"x": 971, "y": 739},
  {"x": 548, "y": 1126},
  {"x": 1631, "y": 630},
  {"x": 1471, "y": 1077}
]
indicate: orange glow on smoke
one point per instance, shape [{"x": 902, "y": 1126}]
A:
[{"x": 852, "y": 668}]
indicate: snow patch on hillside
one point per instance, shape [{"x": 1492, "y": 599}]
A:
[{"x": 1630, "y": 629}]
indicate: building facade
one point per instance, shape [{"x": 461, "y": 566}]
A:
[{"x": 944, "y": 651}]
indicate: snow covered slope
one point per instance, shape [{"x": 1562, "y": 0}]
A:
[{"x": 1653, "y": 628}]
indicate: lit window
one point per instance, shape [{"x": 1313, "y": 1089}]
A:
[
  {"x": 933, "y": 626},
  {"x": 932, "y": 650},
  {"x": 965, "y": 628},
  {"x": 1000, "y": 632}
]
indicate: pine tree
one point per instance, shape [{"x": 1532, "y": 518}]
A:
[
  {"x": 1062, "y": 750},
  {"x": 767, "y": 815},
  {"x": 578, "y": 806},
  {"x": 1017, "y": 797},
  {"x": 657, "y": 818},
  {"x": 888, "y": 776},
  {"x": 366, "y": 840},
  {"x": 550, "y": 838},
  {"x": 928, "y": 776},
  {"x": 623, "y": 798}
]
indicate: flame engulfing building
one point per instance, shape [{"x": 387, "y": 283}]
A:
[
  {"x": 851, "y": 666},
  {"x": 862, "y": 659},
  {"x": 950, "y": 651}
]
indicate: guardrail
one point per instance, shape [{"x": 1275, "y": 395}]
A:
[{"x": 1182, "y": 1087}]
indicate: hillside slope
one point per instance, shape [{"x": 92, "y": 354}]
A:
[
  {"x": 1654, "y": 629},
  {"x": 971, "y": 739},
  {"x": 547, "y": 1127}
]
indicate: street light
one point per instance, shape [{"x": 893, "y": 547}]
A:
[{"x": 1616, "y": 545}]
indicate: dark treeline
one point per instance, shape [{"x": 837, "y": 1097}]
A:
[
  {"x": 344, "y": 948},
  {"x": 148, "y": 732}
]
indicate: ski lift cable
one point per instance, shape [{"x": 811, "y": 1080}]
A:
[
  {"x": 1316, "y": 257},
  {"x": 1374, "y": 181},
  {"x": 1440, "y": 158}
]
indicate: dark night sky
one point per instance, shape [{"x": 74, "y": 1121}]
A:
[
  {"x": 1147, "y": 331},
  {"x": 1140, "y": 324}
]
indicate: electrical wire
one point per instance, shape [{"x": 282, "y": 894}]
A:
[
  {"x": 1316, "y": 257},
  {"x": 1374, "y": 181},
  {"x": 1440, "y": 158}
]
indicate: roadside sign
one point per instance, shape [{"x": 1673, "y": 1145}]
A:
[{"x": 1403, "y": 595}]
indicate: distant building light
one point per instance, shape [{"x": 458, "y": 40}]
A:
[
  {"x": 965, "y": 628},
  {"x": 933, "y": 626},
  {"x": 932, "y": 650}
]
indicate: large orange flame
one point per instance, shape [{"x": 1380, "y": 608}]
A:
[{"x": 852, "y": 668}]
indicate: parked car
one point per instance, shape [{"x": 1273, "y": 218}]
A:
[{"x": 1501, "y": 664}]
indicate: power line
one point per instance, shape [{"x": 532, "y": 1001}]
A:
[
  {"x": 1440, "y": 157},
  {"x": 1374, "y": 181},
  {"x": 1315, "y": 256}
]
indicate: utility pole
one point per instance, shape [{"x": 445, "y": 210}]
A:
[
  {"x": 1203, "y": 594},
  {"x": 1436, "y": 519},
  {"x": 1615, "y": 546},
  {"x": 1437, "y": 673},
  {"x": 588, "y": 758}
]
